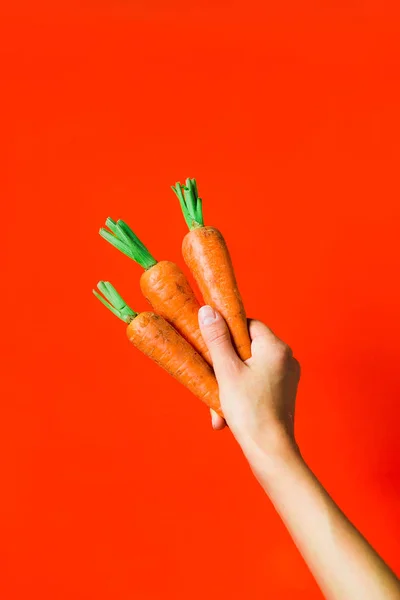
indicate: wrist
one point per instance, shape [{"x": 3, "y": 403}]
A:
[{"x": 271, "y": 455}]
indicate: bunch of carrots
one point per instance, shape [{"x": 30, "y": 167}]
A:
[{"x": 170, "y": 336}]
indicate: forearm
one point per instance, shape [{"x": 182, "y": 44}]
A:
[{"x": 341, "y": 560}]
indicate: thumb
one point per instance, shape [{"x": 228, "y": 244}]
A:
[{"x": 216, "y": 335}]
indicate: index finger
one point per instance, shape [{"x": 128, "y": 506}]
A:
[
  {"x": 261, "y": 337},
  {"x": 259, "y": 329}
]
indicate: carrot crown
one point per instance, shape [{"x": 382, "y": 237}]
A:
[
  {"x": 113, "y": 301},
  {"x": 191, "y": 204},
  {"x": 121, "y": 236}
]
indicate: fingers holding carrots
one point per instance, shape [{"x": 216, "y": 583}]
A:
[{"x": 172, "y": 338}]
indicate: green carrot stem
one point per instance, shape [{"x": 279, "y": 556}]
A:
[
  {"x": 121, "y": 236},
  {"x": 114, "y": 302},
  {"x": 191, "y": 204}
]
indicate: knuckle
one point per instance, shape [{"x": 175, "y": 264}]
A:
[
  {"x": 296, "y": 367},
  {"x": 281, "y": 355},
  {"x": 218, "y": 337}
]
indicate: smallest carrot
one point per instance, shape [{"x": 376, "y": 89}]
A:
[{"x": 158, "y": 340}]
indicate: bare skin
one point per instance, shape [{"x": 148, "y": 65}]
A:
[{"x": 258, "y": 400}]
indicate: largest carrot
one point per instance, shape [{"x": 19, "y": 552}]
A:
[{"x": 206, "y": 254}]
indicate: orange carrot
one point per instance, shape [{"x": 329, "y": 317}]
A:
[
  {"x": 163, "y": 284},
  {"x": 206, "y": 254},
  {"x": 156, "y": 338}
]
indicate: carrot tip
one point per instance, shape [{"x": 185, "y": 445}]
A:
[
  {"x": 191, "y": 204},
  {"x": 114, "y": 302},
  {"x": 121, "y": 236},
  {"x": 111, "y": 224}
]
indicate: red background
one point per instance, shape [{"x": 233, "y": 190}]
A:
[{"x": 113, "y": 484}]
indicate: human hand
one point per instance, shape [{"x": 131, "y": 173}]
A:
[
  {"x": 257, "y": 396},
  {"x": 258, "y": 400}
]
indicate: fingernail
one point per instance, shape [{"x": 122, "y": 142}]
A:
[{"x": 207, "y": 315}]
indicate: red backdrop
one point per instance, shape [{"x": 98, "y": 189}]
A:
[{"x": 113, "y": 484}]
